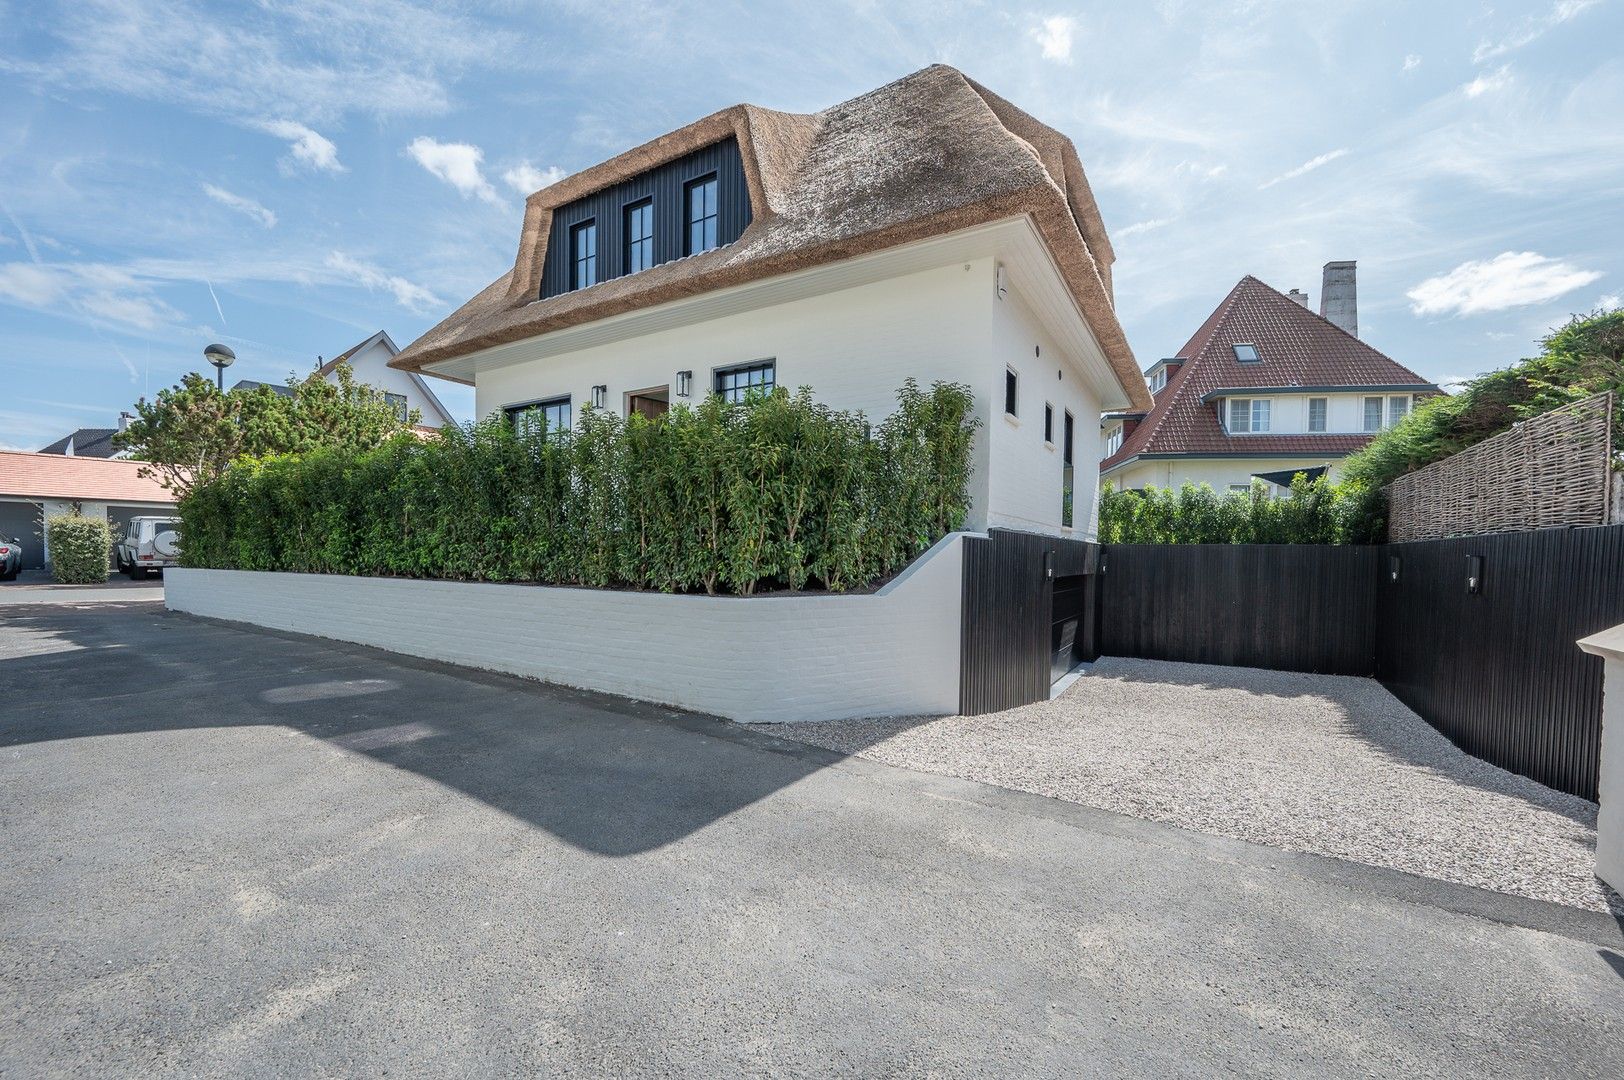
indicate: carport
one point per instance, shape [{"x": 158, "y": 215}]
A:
[{"x": 35, "y": 486}]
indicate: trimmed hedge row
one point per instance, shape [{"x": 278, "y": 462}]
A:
[
  {"x": 1316, "y": 512},
  {"x": 79, "y": 548},
  {"x": 773, "y": 492}
]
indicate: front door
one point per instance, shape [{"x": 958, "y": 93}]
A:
[{"x": 652, "y": 403}]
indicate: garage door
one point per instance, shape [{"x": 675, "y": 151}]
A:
[{"x": 21, "y": 521}]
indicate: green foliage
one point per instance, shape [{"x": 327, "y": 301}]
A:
[
  {"x": 1583, "y": 358},
  {"x": 775, "y": 492},
  {"x": 192, "y": 433},
  {"x": 79, "y": 548},
  {"x": 1315, "y": 512}
]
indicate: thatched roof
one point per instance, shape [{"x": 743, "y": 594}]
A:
[{"x": 929, "y": 154}]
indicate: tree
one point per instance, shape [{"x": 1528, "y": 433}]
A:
[{"x": 193, "y": 431}]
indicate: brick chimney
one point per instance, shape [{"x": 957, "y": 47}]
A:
[
  {"x": 1299, "y": 296},
  {"x": 1339, "y": 296}
]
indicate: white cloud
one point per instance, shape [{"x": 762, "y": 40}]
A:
[
  {"x": 31, "y": 285},
  {"x": 310, "y": 149},
  {"x": 242, "y": 204},
  {"x": 1609, "y": 301},
  {"x": 1510, "y": 279},
  {"x": 95, "y": 291},
  {"x": 1143, "y": 227},
  {"x": 1054, "y": 36},
  {"x": 1412, "y": 61},
  {"x": 1306, "y": 167},
  {"x": 1483, "y": 84},
  {"x": 525, "y": 178},
  {"x": 457, "y": 164},
  {"x": 408, "y": 294},
  {"x": 1532, "y": 28}
]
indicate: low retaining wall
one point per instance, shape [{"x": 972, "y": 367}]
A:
[{"x": 757, "y": 659}]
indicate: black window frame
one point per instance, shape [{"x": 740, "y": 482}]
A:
[
  {"x": 707, "y": 222},
  {"x": 514, "y": 412},
  {"x": 1067, "y": 472},
  {"x": 1012, "y": 392},
  {"x": 1048, "y": 423},
  {"x": 589, "y": 227},
  {"x": 725, "y": 384},
  {"x": 634, "y": 242}
]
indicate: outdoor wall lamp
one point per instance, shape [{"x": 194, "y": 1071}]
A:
[
  {"x": 600, "y": 396},
  {"x": 685, "y": 383},
  {"x": 1393, "y": 565},
  {"x": 1474, "y": 574}
]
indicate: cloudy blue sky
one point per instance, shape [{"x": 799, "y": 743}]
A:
[{"x": 290, "y": 176}]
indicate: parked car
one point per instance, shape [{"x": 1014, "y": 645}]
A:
[
  {"x": 11, "y": 559},
  {"x": 148, "y": 544}
]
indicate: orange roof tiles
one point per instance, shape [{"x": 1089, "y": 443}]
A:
[{"x": 58, "y": 476}]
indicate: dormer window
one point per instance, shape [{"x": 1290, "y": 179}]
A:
[
  {"x": 639, "y": 236},
  {"x": 584, "y": 251},
  {"x": 1246, "y": 353},
  {"x": 700, "y": 197}
]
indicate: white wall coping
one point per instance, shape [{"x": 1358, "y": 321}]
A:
[{"x": 1609, "y": 645}]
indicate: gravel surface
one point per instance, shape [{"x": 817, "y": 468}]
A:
[{"x": 1318, "y": 763}]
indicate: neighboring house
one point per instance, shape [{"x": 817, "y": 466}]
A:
[
  {"x": 91, "y": 442},
  {"x": 1265, "y": 389},
  {"x": 927, "y": 230},
  {"x": 369, "y": 360},
  {"x": 35, "y": 486}
]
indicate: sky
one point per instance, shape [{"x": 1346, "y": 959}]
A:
[{"x": 290, "y": 177}]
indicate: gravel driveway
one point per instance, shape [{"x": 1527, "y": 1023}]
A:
[{"x": 1317, "y": 763}]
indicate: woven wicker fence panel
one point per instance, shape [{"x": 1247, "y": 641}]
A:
[{"x": 1549, "y": 471}]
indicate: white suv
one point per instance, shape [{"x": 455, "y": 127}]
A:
[{"x": 150, "y": 543}]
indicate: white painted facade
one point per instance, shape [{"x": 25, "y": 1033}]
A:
[
  {"x": 1221, "y": 474},
  {"x": 45, "y": 509},
  {"x": 894, "y": 652},
  {"x": 853, "y": 332},
  {"x": 370, "y": 364}
]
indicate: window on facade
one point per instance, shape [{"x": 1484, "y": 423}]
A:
[
  {"x": 1158, "y": 380},
  {"x": 1240, "y": 489},
  {"x": 534, "y": 417},
  {"x": 1066, "y": 471},
  {"x": 396, "y": 402},
  {"x": 700, "y": 198},
  {"x": 1012, "y": 385},
  {"x": 1113, "y": 441},
  {"x": 640, "y": 236},
  {"x": 1246, "y": 354},
  {"x": 736, "y": 383},
  {"x": 1317, "y": 409},
  {"x": 1397, "y": 409},
  {"x": 1248, "y": 415},
  {"x": 1373, "y": 414},
  {"x": 584, "y": 252},
  {"x": 1048, "y": 423}
]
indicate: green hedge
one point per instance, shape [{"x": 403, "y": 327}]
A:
[
  {"x": 79, "y": 548},
  {"x": 774, "y": 492},
  {"x": 1315, "y": 512}
]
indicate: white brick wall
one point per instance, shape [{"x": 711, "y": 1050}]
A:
[{"x": 757, "y": 660}]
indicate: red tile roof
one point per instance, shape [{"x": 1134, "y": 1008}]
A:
[
  {"x": 1296, "y": 348},
  {"x": 57, "y": 476}
]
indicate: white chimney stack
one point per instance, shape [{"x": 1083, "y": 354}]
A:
[
  {"x": 124, "y": 419},
  {"x": 1299, "y": 296},
  {"x": 1339, "y": 296}
]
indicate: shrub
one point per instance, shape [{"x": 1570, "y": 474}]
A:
[
  {"x": 1315, "y": 512},
  {"x": 79, "y": 548},
  {"x": 777, "y": 491}
]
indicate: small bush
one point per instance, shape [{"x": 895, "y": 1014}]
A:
[
  {"x": 1315, "y": 512},
  {"x": 78, "y": 547},
  {"x": 775, "y": 492}
]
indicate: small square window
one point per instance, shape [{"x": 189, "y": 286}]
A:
[
  {"x": 1011, "y": 391},
  {"x": 1048, "y": 422},
  {"x": 1246, "y": 354}
]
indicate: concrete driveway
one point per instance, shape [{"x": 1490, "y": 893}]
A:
[{"x": 229, "y": 851}]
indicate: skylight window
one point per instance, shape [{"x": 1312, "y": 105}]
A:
[{"x": 1245, "y": 353}]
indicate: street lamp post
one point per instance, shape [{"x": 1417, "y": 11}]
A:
[{"x": 221, "y": 357}]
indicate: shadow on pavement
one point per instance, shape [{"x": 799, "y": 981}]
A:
[{"x": 608, "y": 775}]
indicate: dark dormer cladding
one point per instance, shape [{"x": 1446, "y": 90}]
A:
[{"x": 695, "y": 203}]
